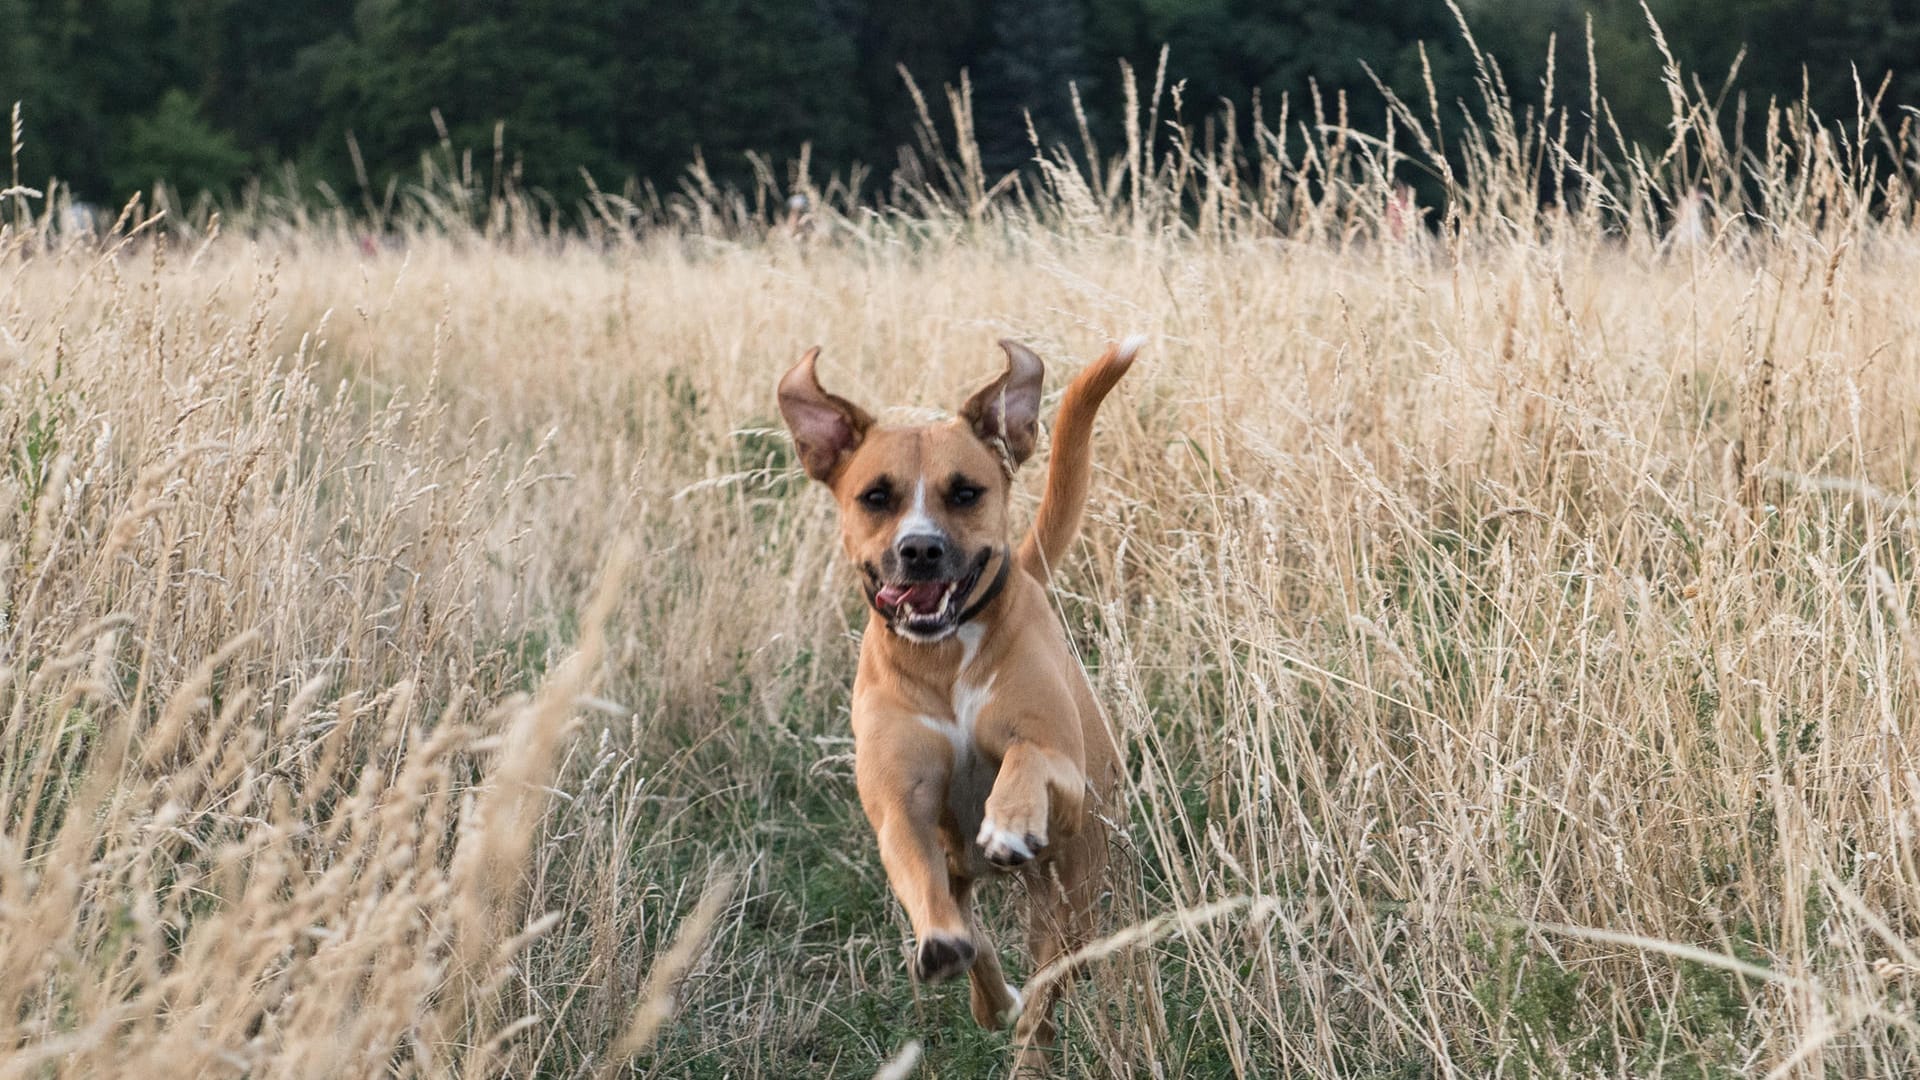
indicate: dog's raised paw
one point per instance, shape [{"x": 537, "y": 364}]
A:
[
  {"x": 940, "y": 957},
  {"x": 1005, "y": 848}
]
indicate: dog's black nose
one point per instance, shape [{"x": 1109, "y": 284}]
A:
[{"x": 922, "y": 554}]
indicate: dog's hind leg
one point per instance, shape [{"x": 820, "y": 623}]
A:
[
  {"x": 1062, "y": 915},
  {"x": 994, "y": 1002}
]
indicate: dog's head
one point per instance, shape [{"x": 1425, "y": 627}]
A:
[{"x": 923, "y": 508}]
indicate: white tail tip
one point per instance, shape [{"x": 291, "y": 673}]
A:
[{"x": 1132, "y": 344}]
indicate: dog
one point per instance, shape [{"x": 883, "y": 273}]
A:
[{"x": 978, "y": 745}]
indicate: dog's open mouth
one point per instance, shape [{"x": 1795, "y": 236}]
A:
[{"x": 927, "y": 609}]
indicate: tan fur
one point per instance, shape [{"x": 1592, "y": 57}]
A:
[
  {"x": 987, "y": 743},
  {"x": 1058, "y": 520}
]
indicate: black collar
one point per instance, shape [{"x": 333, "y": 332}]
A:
[{"x": 993, "y": 589}]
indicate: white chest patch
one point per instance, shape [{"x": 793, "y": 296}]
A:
[
  {"x": 969, "y": 697},
  {"x": 968, "y": 700},
  {"x": 973, "y": 775},
  {"x": 970, "y": 635}
]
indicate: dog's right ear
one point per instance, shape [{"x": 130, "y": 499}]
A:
[{"x": 826, "y": 428}]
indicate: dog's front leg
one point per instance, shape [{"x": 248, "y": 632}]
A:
[
  {"x": 1041, "y": 788},
  {"x": 903, "y": 785}
]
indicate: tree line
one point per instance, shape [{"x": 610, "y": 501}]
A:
[{"x": 344, "y": 98}]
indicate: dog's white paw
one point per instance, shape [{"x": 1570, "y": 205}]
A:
[
  {"x": 1006, "y": 848},
  {"x": 1013, "y": 1011}
]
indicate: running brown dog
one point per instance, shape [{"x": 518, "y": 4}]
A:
[{"x": 978, "y": 745}]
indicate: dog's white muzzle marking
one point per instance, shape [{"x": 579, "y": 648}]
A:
[{"x": 917, "y": 521}]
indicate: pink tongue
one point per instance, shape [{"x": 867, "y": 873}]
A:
[{"x": 924, "y": 596}]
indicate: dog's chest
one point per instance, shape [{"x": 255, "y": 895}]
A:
[{"x": 973, "y": 774}]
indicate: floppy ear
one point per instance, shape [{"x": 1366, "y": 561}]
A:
[
  {"x": 825, "y": 428},
  {"x": 1006, "y": 412}
]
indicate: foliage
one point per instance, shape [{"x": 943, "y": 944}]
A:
[
  {"x": 176, "y": 145},
  {"x": 202, "y": 92}
]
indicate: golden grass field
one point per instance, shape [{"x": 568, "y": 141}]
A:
[{"x": 424, "y": 658}]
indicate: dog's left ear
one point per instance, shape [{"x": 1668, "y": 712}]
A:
[{"x": 1006, "y": 412}]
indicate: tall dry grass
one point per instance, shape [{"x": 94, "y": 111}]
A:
[{"x": 424, "y": 658}]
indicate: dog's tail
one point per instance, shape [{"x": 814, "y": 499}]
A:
[{"x": 1058, "y": 519}]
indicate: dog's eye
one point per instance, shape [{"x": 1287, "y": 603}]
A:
[
  {"x": 877, "y": 497},
  {"x": 963, "y": 495}
]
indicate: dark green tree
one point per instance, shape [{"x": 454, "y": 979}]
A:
[
  {"x": 1039, "y": 49},
  {"x": 1787, "y": 41},
  {"x": 619, "y": 89},
  {"x": 933, "y": 42},
  {"x": 265, "y": 63},
  {"x": 119, "y": 92},
  {"x": 94, "y": 68},
  {"x": 174, "y": 144}
]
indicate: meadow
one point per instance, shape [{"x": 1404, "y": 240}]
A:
[{"x": 420, "y": 654}]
